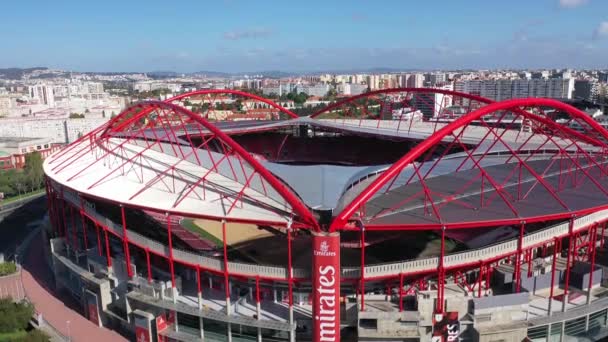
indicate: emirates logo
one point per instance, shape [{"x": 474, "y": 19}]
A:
[
  {"x": 324, "y": 250},
  {"x": 324, "y": 247}
]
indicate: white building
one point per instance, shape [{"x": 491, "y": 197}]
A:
[
  {"x": 351, "y": 89},
  {"x": 58, "y": 130},
  {"x": 319, "y": 90},
  {"x": 504, "y": 89},
  {"x": 43, "y": 93},
  {"x": 415, "y": 81}
]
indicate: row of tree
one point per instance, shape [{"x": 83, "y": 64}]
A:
[
  {"x": 14, "y": 322},
  {"x": 15, "y": 182}
]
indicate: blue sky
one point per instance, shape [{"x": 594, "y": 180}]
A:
[{"x": 239, "y": 35}]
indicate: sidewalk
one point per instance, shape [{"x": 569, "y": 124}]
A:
[{"x": 37, "y": 281}]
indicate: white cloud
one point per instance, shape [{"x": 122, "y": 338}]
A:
[
  {"x": 601, "y": 31},
  {"x": 572, "y": 3}
]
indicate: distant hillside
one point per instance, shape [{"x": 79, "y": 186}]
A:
[{"x": 17, "y": 73}]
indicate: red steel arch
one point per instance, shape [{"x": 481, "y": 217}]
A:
[
  {"x": 401, "y": 90},
  {"x": 149, "y": 124},
  {"x": 593, "y": 134},
  {"x": 234, "y": 92},
  {"x": 242, "y": 94}
]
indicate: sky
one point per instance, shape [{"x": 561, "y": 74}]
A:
[{"x": 312, "y": 35}]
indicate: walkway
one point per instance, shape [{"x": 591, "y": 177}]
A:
[
  {"x": 38, "y": 282},
  {"x": 10, "y": 286}
]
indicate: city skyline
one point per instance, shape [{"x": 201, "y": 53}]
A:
[{"x": 234, "y": 36}]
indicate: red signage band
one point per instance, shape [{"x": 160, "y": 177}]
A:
[{"x": 326, "y": 287}]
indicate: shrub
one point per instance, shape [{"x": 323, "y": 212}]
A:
[
  {"x": 7, "y": 268},
  {"x": 36, "y": 335},
  {"x": 14, "y": 316}
]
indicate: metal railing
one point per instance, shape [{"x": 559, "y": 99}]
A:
[{"x": 372, "y": 271}]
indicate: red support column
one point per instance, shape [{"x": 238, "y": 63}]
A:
[
  {"x": 125, "y": 241},
  {"x": 226, "y": 275},
  {"x": 603, "y": 237},
  {"x": 489, "y": 270},
  {"x": 257, "y": 290},
  {"x": 148, "y": 265},
  {"x": 568, "y": 262},
  {"x": 441, "y": 273},
  {"x": 56, "y": 216},
  {"x": 480, "y": 278},
  {"x": 362, "y": 278},
  {"x": 64, "y": 219},
  {"x": 73, "y": 218},
  {"x": 553, "y": 262},
  {"x": 400, "y": 292},
  {"x": 198, "y": 280},
  {"x": 530, "y": 252},
  {"x": 592, "y": 247},
  {"x": 326, "y": 286},
  {"x": 169, "y": 237},
  {"x": 99, "y": 250},
  {"x": 289, "y": 269},
  {"x": 520, "y": 242},
  {"x": 108, "y": 257},
  {"x": 84, "y": 225}
]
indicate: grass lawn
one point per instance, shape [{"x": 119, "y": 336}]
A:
[
  {"x": 13, "y": 336},
  {"x": 26, "y": 195},
  {"x": 192, "y": 227}
]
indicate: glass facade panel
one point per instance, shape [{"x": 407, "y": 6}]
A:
[
  {"x": 538, "y": 334},
  {"x": 576, "y": 327},
  {"x": 556, "y": 332},
  {"x": 597, "y": 321}
]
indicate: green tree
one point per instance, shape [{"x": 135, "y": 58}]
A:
[
  {"x": 36, "y": 336},
  {"x": 33, "y": 170},
  {"x": 331, "y": 95},
  {"x": 14, "y": 316}
]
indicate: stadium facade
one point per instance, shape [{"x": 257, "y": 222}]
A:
[{"x": 395, "y": 215}]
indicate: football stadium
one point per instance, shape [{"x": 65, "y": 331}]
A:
[{"x": 409, "y": 214}]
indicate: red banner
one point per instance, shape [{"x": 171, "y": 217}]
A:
[
  {"x": 326, "y": 287},
  {"x": 446, "y": 327},
  {"x": 93, "y": 317},
  {"x": 91, "y": 306},
  {"x": 171, "y": 317},
  {"x": 141, "y": 334},
  {"x": 161, "y": 325}
]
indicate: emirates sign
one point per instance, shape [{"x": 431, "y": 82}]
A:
[{"x": 326, "y": 287}]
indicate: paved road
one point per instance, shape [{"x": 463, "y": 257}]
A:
[
  {"x": 18, "y": 224},
  {"x": 37, "y": 281}
]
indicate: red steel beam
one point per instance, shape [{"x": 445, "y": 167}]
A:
[
  {"x": 170, "y": 238},
  {"x": 226, "y": 275},
  {"x": 297, "y": 205},
  {"x": 568, "y": 262},
  {"x": 341, "y": 219},
  {"x": 125, "y": 240},
  {"x": 400, "y": 90}
]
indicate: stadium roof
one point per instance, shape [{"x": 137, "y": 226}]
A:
[{"x": 158, "y": 156}]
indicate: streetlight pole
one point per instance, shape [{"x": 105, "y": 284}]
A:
[{"x": 67, "y": 323}]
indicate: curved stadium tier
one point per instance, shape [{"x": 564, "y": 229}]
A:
[{"x": 396, "y": 215}]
